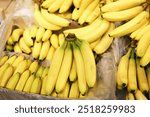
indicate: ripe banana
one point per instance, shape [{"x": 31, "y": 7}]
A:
[
  {"x": 27, "y": 37},
  {"x": 16, "y": 34},
  {"x": 64, "y": 70},
  {"x": 131, "y": 25},
  {"x": 12, "y": 82},
  {"x": 105, "y": 42},
  {"x": 66, "y": 15},
  {"x": 122, "y": 73},
  {"x": 36, "y": 85},
  {"x": 47, "y": 35},
  {"x": 11, "y": 60},
  {"x": 54, "y": 40},
  {"x": 55, "y": 68},
  {"x": 122, "y": 15},
  {"x": 18, "y": 61},
  {"x": 33, "y": 31},
  {"x": 17, "y": 48},
  {"x": 65, "y": 93},
  {"x": 94, "y": 44},
  {"x": 45, "y": 72},
  {"x": 44, "y": 50},
  {"x": 77, "y": 3},
  {"x": 10, "y": 41},
  {"x": 36, "y": 49},
  {"x": 42, "y": 21},
  {"x": 39, "y": 71},
  {"x": 21, "y": 67},
  {"x": 22, "y": 81},
  {"x": 39, "y": 34},
  {"x": 65, "y": 6},
  {"x": 29, "y": 62},
  {"x": 34, "y": 67},
  {"x": 75, "y": 14},
  {"x": 28, "y": 83},
  {"x": 50, "y": 53},
  {"x": 89, "y": 63},
  {"x": 47, "y": 3},
  {"x": 3, "y": 60},
  {"x": 121, "y": 5},
  {"x": 61, "y": 38},
  {"x": 73, "y": 72},
  {"x": 25, "y": 48},
  {"x": 6, "y": 75},
  {"x": 140, "y": 96},
  {"x": 143, "y": 44},
  {"x": 74, "y": 90},
  {"x": 80, "y": 69},
  {"x": 43, "y": 91},
  {"x": 2, "y": 70},
  {"x": 142, "y": 79}
]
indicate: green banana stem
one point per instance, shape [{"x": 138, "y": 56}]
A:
[{"x": 132, "y": 53}]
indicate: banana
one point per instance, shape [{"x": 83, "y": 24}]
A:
[
  {"x": 132, "y": 78},
  {"x": 16, "y": 34},
  {"x": 10, "y": 41},
  {"x": 55, "y": 68},
  {"x": 97, "y": 33},
  {"x": 28, "y": 83},
  {"x": 22, "y": 81},
  {"x": 74, "y": 90},
  {"x": 39, "y": 34},
  {"x": 145, "y": 60},
  {"x": 54, "y": 40},
  {"x": 25, "y": 48},
  {"x": 44, "y": 50},
  {"x": 27, "y": 37},
  {"x": 47, "y": 3},
  {"x": 73, "y": 72},
  {"x": 141, "y": 33},
  {"x": 21, "y": 67},
  {"x": 43, "y": 91},
  {"x": 55, "y": 6},
  {"x": 121, "y": 5},
  {"x": 64, "y": 70},
  {"x": 80, "y": 69},
  {"x": 45, "y": 72},
  {"x": 42, "y": 21},
  {"x": 130, "y": 96},
  {"x": 88, "y": 11},
  {"x": 6, "y": 75},
  {"x": 131, "y": 25},
  {"x": 3, "y": 60},
  {"x": 47, "y": 35},
  {"x": 9, "y": 48},
  {"x": 140, "y": 96},
  {"x": 65, "y": 6},
  {"x": 122, "y": 73},
  {"x": 18, "y": 61},
  {"x": 2, "y": 70},
  {"x": 141, "y": 76},
  {"x": 34, "y": 67},
  {"x": 122, "y": 15},
  {"x": 12, "y": 82},
  {"x": 61, "y": 38},
  {"x": 36, "y": 49},
  {"x": 65, "y": 93},
  {"x": 75, "y": 14},
  {"x": 66, "y": 15},
  {"x": 17, "y": 48},
  {"x": 33, "y": 31},
  {"x": 93, "y": 15},
  {"x": 143, "y": 44},
  {"x": 54, "y": 19},
  {"x": 29, "y": 62},
  {"x": 50, "y": 53},
  {"x": 105, "y": 42},
  {"x": 94, "y": 44},
  {"x": 148, "y": 75},
  {"x": 36, "y": 85},
  {"x": 39, "y": 71},
  {"x": 77, "y": 3},
  {"x": 11, "y": 60}
]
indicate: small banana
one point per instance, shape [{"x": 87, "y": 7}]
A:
[
  {"x": 73, "y": 72},
  {"x": 36, "y": 49},
  {"x": 45, "y": 72},
  {"x": 50, "y": 53},
  {"x": 74, "y": 90},
  {"x": 61, "y": 38},
  {"x": 21, "y": 67},
  {"x": 39, "y": 34},
  {"x": 33, "y": 31},
  {"x": 17, "y": 48},
  {"x": 2, "y": 70},
  {"x": 10, "y": 41},
  {"x": 36, "y": 85},
  {"x": 47, "y": 35},
  {"x": 54, "y": 40},
  {"x": 18, "y": 61},
  {"x": 43, "y": 91},
  {"x": 3, "y": 60},
  {"x": 34, "y": 67},
  {"x": 16, "y": 34},
  {"x": 11, "y": 60},
  {"x": 39, "y": 71},
  {"x": 25, "y": 48},
  {"x": 27, "y": 37},
  {"x": 65, "y": 93}
]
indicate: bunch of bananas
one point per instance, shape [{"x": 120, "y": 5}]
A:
[
  {"x": 37, "y": 41},
  {"x": 132, "y": 75}
]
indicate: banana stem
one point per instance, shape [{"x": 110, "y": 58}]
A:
[
  {"x": 132, "y": 53},
  {"x": 129, "y": 52}
]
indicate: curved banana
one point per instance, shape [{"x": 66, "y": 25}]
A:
[
  {"x": 74, "y": 90},
  {"x": 50, "y": 53},
  {"x": 140, "y": 96},
  {"x": 36, "y": 49},
  {"x": 16, "y": 34},
  {"x": 42, "y": 21},
  {"x": 73, "y": 72},
  {"x": 33, "y": 31},
  {"x": 65, "y": 93},
  {"x": 121, "y": 5},
  {"x": 2, "y": 69},
  {"x": 61, "y": 38},
  {"x": 94, "y": 44},
  {"x": 39, "y": 71},
  {"x": 36, "y": 85},
  {"x": 27, "y": 37},
  {"x": 3, "y": 60},
  {"x": 45, "y": 72},
  {"x": 11, "y": 60},
  {"x": 43, "y": 92},
  {"x": 18, "y": 61},
  {"x": 39, "y": 34},
  {"x": 47, "y": 35},
  {"x": 21, "y": 67},
  {"x": 34, "y": 67},
  {"x": 75, "y": 14},
  {"x": 54, "y": 41},
  {"x": 10, "y": 41},
  {"x": 17, "y": 48},
  {"x": 65, "y": 6},
  {"x": 25, "y": 48}
]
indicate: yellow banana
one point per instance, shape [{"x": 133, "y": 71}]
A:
[
  {"x": 64, "y": 70},
  {"x": 45, "y": 72},
  {"x": 105, "y": 42},
  {"x": 50, "y": 53},
  {"x": 6, "y": 75},
  {"x": 29, "y": 62},
  {"x": 140, "y": 96},
  {"x": 47, "y": 35},
  {"x": 21, "y": 67},
  {"x": 66, "y": 15},
  {"x": 9, "y": 48},
  {"x": 65, "y": 6},
  {"x": 131, "y": 25},
  {"x": 80, "y": 69},
  {"x": 74, "y": 90},
  {"x": 43, "y": 91},
  {"x": 10, "y": 41},
  {"x": 18, "y": 61},
  {"x": 73, "y": 72},
  {"x": 47, "y": 3},
  {"x": 55, "y": 68},
  {"x": 39, "y": 71},
  {"x": 65, "y": 93},
  {"x": 2, "y": 70},
  {"x": 143, "y": 44},
  {"x": 34, "y": 67},
  {"x": 25, "y": 48},
  {"x": 27, "y": 37},
  {"x": 42, "y": 21},
  {"x": 39, "y": 34},
  {"x": 33, "y": 31},
  {"x": 122, "y": 15},
  {"x": 130, "y": 96},
  {"x": 121, "y": 5},
  {"x": 75, "y": 14},
  {"x": 132, "y": 78},
  {"x": 61, "y": 38},
  {"x": 12, "y": 82},
  {"x": 16, "y": 34},
  {"x": 94, "y": 44},
  {"x": 77, "y": 3},
  {"x": 122, "y": 73},
  {"x": 36, "y": 85},
  {"x": 17, "y": 48},
  {"x": 54, "y": 40},
  {"x": 44, "y": 50},
  {"x": 11, "y": 60},
  {"x": 36, "y": 49},
  {"x": 3, "y": 60},
  {"x": 28, "y": 83},
  {"x": 141, "y": 76},
  {"x": 22, "y": 81}
]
